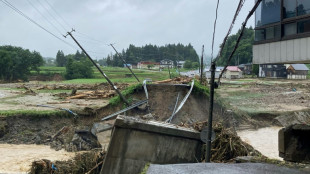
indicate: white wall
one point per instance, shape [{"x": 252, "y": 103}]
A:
[{"x": 289, "y": 51}]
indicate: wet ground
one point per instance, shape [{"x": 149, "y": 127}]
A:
[
  {"x": 18, "y": 158},
  {"x": 265, "y": 140}
]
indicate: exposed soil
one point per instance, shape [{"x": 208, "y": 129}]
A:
[
  {"x": 257, "y": 97},
  {"x": 18, "y": 158}
]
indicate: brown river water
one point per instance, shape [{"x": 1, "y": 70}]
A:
[{"x": 264, "y": 140}]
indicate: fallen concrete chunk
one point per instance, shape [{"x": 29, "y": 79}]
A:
[
  {"x": 294, "y": 143},
  {"x": 136, "y": 142}
]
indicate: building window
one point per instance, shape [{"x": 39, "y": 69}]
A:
[
  {"x": 259, "y": 35},
  {"x": 290, "y": 29},
  {"x": 268, "y": 33},
  {"x": 268, "y": 12},
  {"x": 303, "y": 26},
  {"x": 303, "y": 7},
  {"x": 289, "y": 8}
]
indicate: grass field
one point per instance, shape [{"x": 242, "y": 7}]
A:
[{"x": 116, "y": 74}]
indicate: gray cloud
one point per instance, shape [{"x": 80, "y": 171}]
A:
[{"x": 122, "y": 22}]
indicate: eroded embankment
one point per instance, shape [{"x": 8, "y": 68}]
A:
[{"x": 162, "y": 100}]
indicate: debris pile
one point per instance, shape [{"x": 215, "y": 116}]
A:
[
  {"x": 87, "y": 162},
  {"x": 97, "y": 94},
  {"x": 101, "y": 86},
  {"x": 177, "y": 80},
  {"x": 227, "y": 145}
]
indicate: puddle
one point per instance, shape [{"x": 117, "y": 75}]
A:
[
  {"x": 18, "y": 158},
  {"x": 265, "y": 140}
]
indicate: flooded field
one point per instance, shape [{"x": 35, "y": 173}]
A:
[
  {"x": 264, "y": 140},
  {"x": 18, "y": 158}
]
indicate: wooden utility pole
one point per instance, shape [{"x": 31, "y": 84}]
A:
[
  {"x": 169, "y": 71},
  {"x": 201, "y": 64},
  {"x": 125, "y": 63},
  {"x": 104, "y": 75},
  {"x": 208, "y": 148}
]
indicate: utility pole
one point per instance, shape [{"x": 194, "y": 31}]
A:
[
  {"x": 125, "y": 63},
  {"x": 208, "y": 148},
  {"x": 169, "y": 71},
  {"x": 104, "y": 75},
  {"x": 201, "y": 65}
]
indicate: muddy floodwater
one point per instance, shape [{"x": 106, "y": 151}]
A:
[
  {"x": 264, "y": 140},
  {"x": 18, "y": 158}
]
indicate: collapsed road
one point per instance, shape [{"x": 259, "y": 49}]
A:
[{"x": 28, "y": 130}]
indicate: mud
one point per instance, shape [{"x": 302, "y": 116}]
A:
[
  {"x": 265, "y": 140},
  {"x": 18, "y": 158}
]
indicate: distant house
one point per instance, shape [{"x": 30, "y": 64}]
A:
[
  {"x": 148, "y": 65},
  {"x": 129, "y": 65},
  {"x": 165, "y": 63},
  {"x": 233, "y": 72},
  {"x": 218, "y": 71},
  {"x": 246, "y": 68},
  {"x": 180, "y": 64},
  {"x": 272, "y": 71},
  {"x": 297, "y": 71}
]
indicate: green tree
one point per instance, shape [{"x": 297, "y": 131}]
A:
[
  {"x": 244, "y": 51},
  {"x": 16, "y": 63},
  {"x": 187, "y": 64},
  {"x": 149, "y": 52},
  {"x": 195, "y": 64},
  {"x": 255, "y": 69},
  {"x": 78, "y": 69},
  {"x": 61, "y": 59},
  {"x": 150, "y": 66}
]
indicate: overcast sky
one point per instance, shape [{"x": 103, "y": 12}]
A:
[{"x": 123, "y": 22}]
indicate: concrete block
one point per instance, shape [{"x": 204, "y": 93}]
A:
[{"x": 136, "y": 142}]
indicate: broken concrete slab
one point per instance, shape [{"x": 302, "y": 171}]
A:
[
  {"x": 294, "y": 143},
  {"x": 215, "y": 168},
  {"x": 136, "y": 142},
  {"x": 100, "y": 127}
]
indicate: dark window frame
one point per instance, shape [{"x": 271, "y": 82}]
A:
[{"x": 282, "y": 22}]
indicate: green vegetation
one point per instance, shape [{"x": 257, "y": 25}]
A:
[
  {"x": 116, "y": 74},
  {"x": 130, "y": 90},
  {"x": 244, "y": 51},
  {"x": 16, "y": 63},
  {"x": 154, "y": 53},
  {"x": 33, "y": 113},
  {"x": 146, "y": 167},
  {"x": 200, "y": 89},
  {"x": 79, "y": 69}
]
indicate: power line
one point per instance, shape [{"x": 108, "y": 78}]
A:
[
  {"x": 65, "y": 22},
  {"x": 52, "y": 15},
  {"x": 217, "y": 7},
  {"x": 34, "y": 22},
  {"x": 91, "y": 38},
  {"x": 239, "y": 38},
  {"x": 44, "y": 17},
  {"x": 240, "y": 5}
]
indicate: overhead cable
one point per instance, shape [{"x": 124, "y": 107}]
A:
[
  {"x": 33, "y": 6},
  {"x": 52, "y": 15},
  {"x": 214, "y": 27},
  {"x": 240, "y": 5},
  {"x": 239, "y": 37},
  {"x": 34, "y": 22},
  {"x": 65, "y": 22}
]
